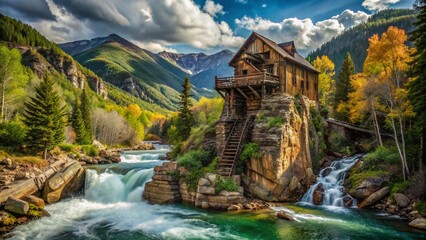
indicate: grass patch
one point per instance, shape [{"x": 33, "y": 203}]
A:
[
  {"x": 8, "y": 220},
  {"x": 66, "y": 147},
  {"x": 380, "y": 158},
  {"x": 226, "y": 184},
  {"x": 3, "y": 154},
  {"x": 274, "y": 122},
  {"x": 400, "y": 187},
  {"x": 355, "y": 179},
  {"x": 420, "y": 207},
  {"x": 90, "y": 150},
  {"x": 30, "y": 160},
  {"x": 35, "y": 212}
]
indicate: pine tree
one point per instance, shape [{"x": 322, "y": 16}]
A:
[
  {"x": 417, "y": 87},
  {"x": 185, "y": 118},
  {"x": 45, "y": 117},
  {"x": 87, "y": 120},
  {"x": 78, "y": 123},
  {"x": 343, "y": 87}
]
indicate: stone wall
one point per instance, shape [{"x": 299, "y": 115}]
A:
[
  {"x": 163, "y": 188},
  {"x": 284, "y": 172}
]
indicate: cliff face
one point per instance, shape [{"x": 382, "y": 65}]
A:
[
  {"x": 42, "y": 60},
  {"x": 284, "y": 172}
]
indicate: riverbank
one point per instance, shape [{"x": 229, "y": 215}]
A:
[{"x": 112, "y": 208}]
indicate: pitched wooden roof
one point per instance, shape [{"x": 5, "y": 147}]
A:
[{"x": 296, "y": 58}]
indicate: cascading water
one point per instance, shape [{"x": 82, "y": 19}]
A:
[{"x": 331, "y": 179}]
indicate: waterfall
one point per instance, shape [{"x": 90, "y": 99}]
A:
[
  {"x": 331, "y": 179},
  {"x": 109, "y": 187}
]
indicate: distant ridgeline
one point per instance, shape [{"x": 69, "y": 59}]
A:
[
  {"x": 355, "y": 40},
  {"x": 42, "y": 55}
]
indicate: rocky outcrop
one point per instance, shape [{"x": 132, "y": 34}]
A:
[
  {"x": 63, "y": 183},
  {"x": 207, "y": 197},
  {"x": 376, "y": 196},
  {"x": 16, "y": 206},
  {"x": 32, "y": 185},
  {"x": 284, "y": 172},
  {"x": 418, "y": 223},
  {"x": 285, "y": 216},
  {"x": 163, "y": 188},
  {"x": 188, "y": 196},
  {"x": 368, "y": 187},
  {"x": 401, "y": 200},
  {"x": 42, "y": 60}
]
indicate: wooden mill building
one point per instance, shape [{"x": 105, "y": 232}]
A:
[{"x": 261, "y": 68}]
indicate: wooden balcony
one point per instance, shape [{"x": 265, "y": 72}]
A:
[{"x": 257, "y": 79}]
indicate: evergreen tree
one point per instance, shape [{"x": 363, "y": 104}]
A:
[
  {"x": 45, "y": 117},
  {"x": 417, "y": 87},
  {"x": 343, "y": 87},
  {"x": 87, "y": 120},
  {"x": 78, "y": 123},
  {"x": 185, "y": 118}
]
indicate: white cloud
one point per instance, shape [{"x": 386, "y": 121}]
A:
[
  {"x": 374, "y": 5},
  {"x": 241, "y": 1},
  {"x": 264, "y": 5},
  {"x": 152, "y": 24},
  {"x": 213, "y": 8},
  {"x": 349, "y": 18},
  {"x": 306, "y": 34}
]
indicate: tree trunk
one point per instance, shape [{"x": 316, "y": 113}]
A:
[
  {"x": 2, "y": 115},
  {"x": 376, "y": 124}
]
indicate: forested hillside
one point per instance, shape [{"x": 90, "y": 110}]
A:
[
  {"x": 28, "y": 58},
  {"x": 355, "y": 40},
  {"x": 135, "y": 70}
]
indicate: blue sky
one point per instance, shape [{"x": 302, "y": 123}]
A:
[{"x": 196, "y": 25}]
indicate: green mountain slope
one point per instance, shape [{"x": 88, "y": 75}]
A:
[
  {"x": 43, "y": 56},
  {"x": 355, "y": 40},
  {"x": 135, "y": 70}
]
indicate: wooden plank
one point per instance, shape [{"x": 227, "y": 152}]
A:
[
  {"x": 221, "y": 94},
  {"x": 254, "y": 91},
  {"x": 242, "y": 93}
]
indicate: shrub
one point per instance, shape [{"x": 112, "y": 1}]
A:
[
  {"x": 12, "y": 134},
  {"x": 274, "y": 122},
  {"x": 381, "y": 156},
  {"x": 195, "y": 174},
  {"x": 196, "y": 159},
  {"x": 226, "y": 184},
  {"x": 68, "y": 147},
  {"x": 90, "y": 150},
  {"x": 250, "y": 150},
  {"x": 400, "y": 187},
  {"x": 339, "y": 143},
  {"x": 8, "y": 220},
  {"x": 421, "y": 207},
  {"x": 34, "y": 211}
]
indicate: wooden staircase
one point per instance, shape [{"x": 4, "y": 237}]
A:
[{"x": 233, "y": 147}]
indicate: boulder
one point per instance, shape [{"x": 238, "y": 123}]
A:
[
  {"x": 7, "y": 162},
  {"x": 318, "y": 195},
  {"x": 368, "y": 187},
  {"x": 211, "y": 177},
  {"x": 401, "y": 200},
  {"x": 234, "y": 208},
  {"x": 34, "y": 200},
  {"x": 204, "y": 182},
  {"x": 379, "y": 194},
  {"x": 206, "y": 190},
  {"x": 54, "y": 188},
  {"x": 17, "y": 206},
  {"x": 285, "y": 216},
  {"x": 418, "y": 223}
]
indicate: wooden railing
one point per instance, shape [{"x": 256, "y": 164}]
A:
[{"x": 244, "y": 80}]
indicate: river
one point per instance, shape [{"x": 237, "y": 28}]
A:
[{"x": 112, "y": 208}]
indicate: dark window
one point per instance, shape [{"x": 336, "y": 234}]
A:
[
  {"x": 293, "y": 75},
  {"x": 244, "y": 72},
  {"x": 270, "y": 69},
  {"x": 302, "y": 84},
  {"x": 267, "y": 55}
]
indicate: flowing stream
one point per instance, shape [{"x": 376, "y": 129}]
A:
[
  {"x": 112, "y": 208},
  {"x": 331, "y": 180}
]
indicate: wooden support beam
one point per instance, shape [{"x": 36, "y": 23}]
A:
[
  {"x": 254, "y": 91},
  {"x": 242, "y": 93},
  {"x": 221, "y": 94}
]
